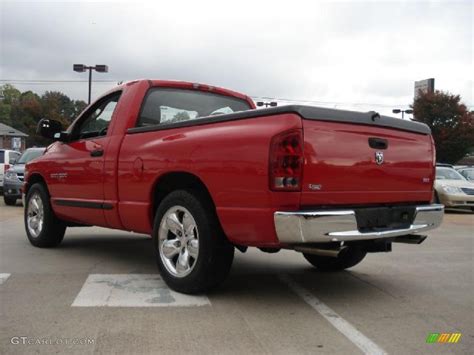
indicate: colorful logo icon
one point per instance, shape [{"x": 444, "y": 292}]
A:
[{"x": 443, "y": 338}]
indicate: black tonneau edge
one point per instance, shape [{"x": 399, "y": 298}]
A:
[{"x": 306, "y": 112}]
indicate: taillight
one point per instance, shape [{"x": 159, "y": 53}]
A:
[
  {"x": 6, "y": 167},
  {"x": 286, "y": 161}
]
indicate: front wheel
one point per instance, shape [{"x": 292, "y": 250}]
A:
[
  {"x": 191, "y": 250},
  {"x": 346, "y": 259},
  {"x": 43, "y": 228}
]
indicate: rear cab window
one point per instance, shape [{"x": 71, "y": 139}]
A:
[{"x": 167, "y": 105}]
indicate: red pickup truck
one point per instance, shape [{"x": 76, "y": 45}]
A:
[{"x": 204, "y": 172}]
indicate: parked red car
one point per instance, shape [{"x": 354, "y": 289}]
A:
[{"x": 203, "y": 171}]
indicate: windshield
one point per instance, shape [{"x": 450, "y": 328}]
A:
[
  {"x": 448, "y": 174},
  {"x": 468, "y": 173},
  {"x": 30, "y": 154}
]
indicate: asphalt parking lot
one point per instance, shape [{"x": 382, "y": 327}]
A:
[{"x": 99, "y": 292}]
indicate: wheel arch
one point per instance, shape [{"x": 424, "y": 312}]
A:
[
  {"x": 177, "y": 180},
  {"x": 33, "y": 179}
]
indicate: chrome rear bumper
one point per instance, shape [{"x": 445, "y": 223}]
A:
[{"x": 341, "y": 225}]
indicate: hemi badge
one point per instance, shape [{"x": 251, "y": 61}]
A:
[{"x": 426, "y": 180}]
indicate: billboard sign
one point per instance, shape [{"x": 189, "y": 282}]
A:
[{"x": 426, "y": 85}]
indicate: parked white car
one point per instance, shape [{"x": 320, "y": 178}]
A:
[
  {"x": 7, "y": 158},
  {"x": 452, "y": 189}
]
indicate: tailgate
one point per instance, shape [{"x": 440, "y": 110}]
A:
[{"x": 352, "y": 164}]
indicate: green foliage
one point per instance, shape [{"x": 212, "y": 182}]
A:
[
  {"x": 450, "y": 121},
  {"x": 24, "y": 110},
  {"x": 9, "y": 94}
]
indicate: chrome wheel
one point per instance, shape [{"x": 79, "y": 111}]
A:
[
  {"x": 35, "y": 215},
  {"x": 178, "y": 241}
]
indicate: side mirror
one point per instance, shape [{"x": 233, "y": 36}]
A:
[{"x": 49, "y": 128}]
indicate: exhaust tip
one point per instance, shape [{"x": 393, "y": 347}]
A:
[{"x": 334, "y": 253}]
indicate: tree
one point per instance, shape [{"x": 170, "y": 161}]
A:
[
  {"x": 451, "y": 123},
  {"x": 24, "y": 110},
  {"x": 9, "y": 96}
]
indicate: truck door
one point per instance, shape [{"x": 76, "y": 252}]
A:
[{"x": 76, "y": 176}]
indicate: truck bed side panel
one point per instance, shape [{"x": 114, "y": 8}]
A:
[{"x": 230, "y": 158}]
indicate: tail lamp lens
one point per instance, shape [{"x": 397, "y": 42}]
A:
[{"x": 286, "y": 161}]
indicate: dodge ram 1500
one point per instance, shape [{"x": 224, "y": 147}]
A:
[{"x": 203, "y": 171}]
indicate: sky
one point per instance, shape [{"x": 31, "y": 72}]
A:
[{"x": 357, "y": 55}]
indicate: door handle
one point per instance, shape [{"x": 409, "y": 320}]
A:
[
  {"x": 378, "y": 143},
  {"x": 97, "y": 153}
]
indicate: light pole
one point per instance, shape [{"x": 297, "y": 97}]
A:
[
  {"x": 397, "y": 110},
  {"x": 81, "y": 68}
]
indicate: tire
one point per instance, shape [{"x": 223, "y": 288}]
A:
[
  {"x": 46, "y": 230},
  {"x": 202, "y": 251},
  {"x": 9, "y": 201},
  {"x": 346, "y": 259}
]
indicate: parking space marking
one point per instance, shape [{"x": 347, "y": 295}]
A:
[
  {"x": 3, "y": 278},
  {"x": 132, "y": 290},
  {"x": 355, "y": 336}
]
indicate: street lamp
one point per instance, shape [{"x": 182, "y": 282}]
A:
[
  {"x": 81, "y": 68},
  {"x": 397, "y": 110},
  {"x": 266, "y": 104}
]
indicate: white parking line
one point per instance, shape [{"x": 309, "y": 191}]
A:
[
  {"x": 360, "y": 340},
  {"x": 132, "y": 290},
  {"x": 3, "y": 278}
]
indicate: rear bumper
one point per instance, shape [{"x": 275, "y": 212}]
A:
[{"x": 341, "y": 225}]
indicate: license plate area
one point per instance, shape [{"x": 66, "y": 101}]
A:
[{"x": 380, "y": 218}]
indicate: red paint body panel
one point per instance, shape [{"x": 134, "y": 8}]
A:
[
  {"x": 72, "y": 174},
  {"x": 231, "y": 159}
]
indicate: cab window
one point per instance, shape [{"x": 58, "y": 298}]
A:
[{"x": 166, "y": 105}]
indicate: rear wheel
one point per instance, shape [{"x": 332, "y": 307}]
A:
[
  {"x": 346, "y": 259},
  {"x": 191, "y": 250},
  {"x": 43, "y": 228},
  {"x": 9, "y": 201}
]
